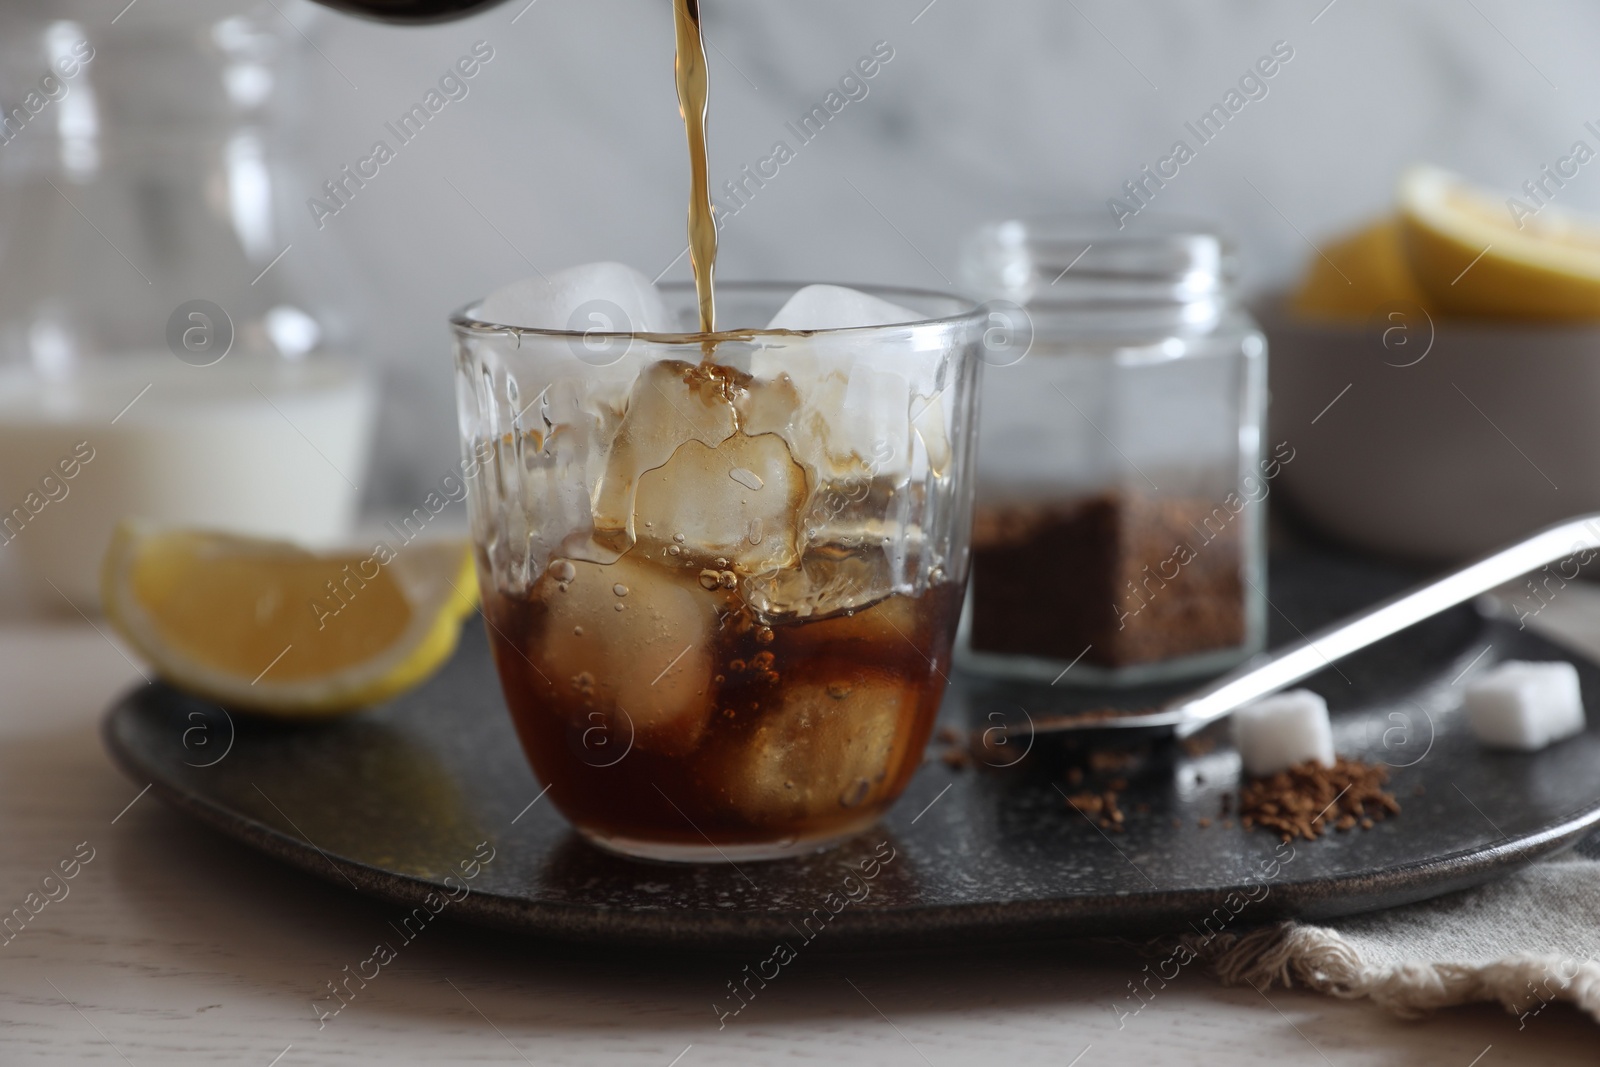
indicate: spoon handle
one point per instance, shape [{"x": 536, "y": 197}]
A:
[{"x": 1267, "y": 674}]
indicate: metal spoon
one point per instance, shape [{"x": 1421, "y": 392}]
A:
[{"x": 1270, "y": 672}]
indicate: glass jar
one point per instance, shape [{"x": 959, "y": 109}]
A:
[
  {"x": 1119, "y": 531},
  {"x": 158, "y": 338}
]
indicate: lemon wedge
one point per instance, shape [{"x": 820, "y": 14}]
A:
[
  {"x": 1474, "y": 256},
  {"x": 272, "y": 627},
  {"x": 1358, "y": 275}
]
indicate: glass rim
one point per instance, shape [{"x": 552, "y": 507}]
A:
[{"x": 973, "y": 312}]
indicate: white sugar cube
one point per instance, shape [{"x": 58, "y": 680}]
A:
[
  {"x": 1525, "y": 706},
  {"x": 1278, "y": 731}
]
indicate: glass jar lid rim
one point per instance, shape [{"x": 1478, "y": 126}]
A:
[{"x": 1068, "y": 259}]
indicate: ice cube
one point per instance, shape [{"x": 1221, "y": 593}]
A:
[
  {"x": 739, "y": 501},
  {"x": 829, "y": 579},
  {"x": 854, "y": 405},
  {"x": 1278, "y": 731},
  {"x": 604, "y": 297},
  {"x": 1525, "y": 706},
  {"x": 928, "y": 417},
  {"x": 834, "y": 307},
  {"x": 844, "y": 417},
  {"x": 827, "y": 747},
  {"x": 637, "y": 640},
  {"x": 670, "y": 404}
]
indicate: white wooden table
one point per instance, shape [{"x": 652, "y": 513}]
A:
[{"x": 176, "y": 946}]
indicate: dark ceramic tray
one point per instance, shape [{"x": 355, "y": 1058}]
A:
[{"x": 392, "y": 801}]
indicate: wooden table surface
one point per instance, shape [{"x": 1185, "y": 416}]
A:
[{"x": 176, "y": 946}]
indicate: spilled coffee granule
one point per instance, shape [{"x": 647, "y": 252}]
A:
[
  {"x": 957, "y": 759},
  {"x": 1110, "y": 761},
  {"x": 1101, "y": 808},
  {"x": 1308, "y": 798},
  {"x": 955, "y": 747}
]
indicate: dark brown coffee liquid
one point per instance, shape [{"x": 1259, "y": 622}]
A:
[
  {"x": 691, "y": 75},
  {"x": 800, "y": 731}
]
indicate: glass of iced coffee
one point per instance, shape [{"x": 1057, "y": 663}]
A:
[{"x": 722, "y": 572}]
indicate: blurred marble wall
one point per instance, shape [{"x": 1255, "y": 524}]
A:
[{"x": 567, "y": 145}]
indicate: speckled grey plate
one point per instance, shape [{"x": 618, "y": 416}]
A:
[{"x": 392, "y": 801}]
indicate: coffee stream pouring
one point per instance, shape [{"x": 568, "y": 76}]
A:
[{"x": 692, "y": 90}]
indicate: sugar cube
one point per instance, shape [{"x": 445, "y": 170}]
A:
[
  {"x": 1525, "y": 706},
  {"x": 1276, "y": 732}
]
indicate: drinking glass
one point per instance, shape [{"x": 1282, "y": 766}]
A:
[{"x": 722, "y": 573}]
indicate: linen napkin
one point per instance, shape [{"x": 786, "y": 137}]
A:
[{"x": 1525, "y": 941}]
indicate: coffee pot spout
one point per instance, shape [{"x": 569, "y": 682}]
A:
[{"x": 411, "y": 11}]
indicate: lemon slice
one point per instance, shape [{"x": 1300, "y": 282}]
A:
[
  {"x": 1474, "y": 255},
  {"x": 1358, "y": 275},
  {"x": 269, "y": 626}
]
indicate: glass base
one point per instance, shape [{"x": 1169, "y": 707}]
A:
[{"x": 707, "y": 852}]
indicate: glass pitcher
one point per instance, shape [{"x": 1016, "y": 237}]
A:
[{"x": 154, "y": 360}]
